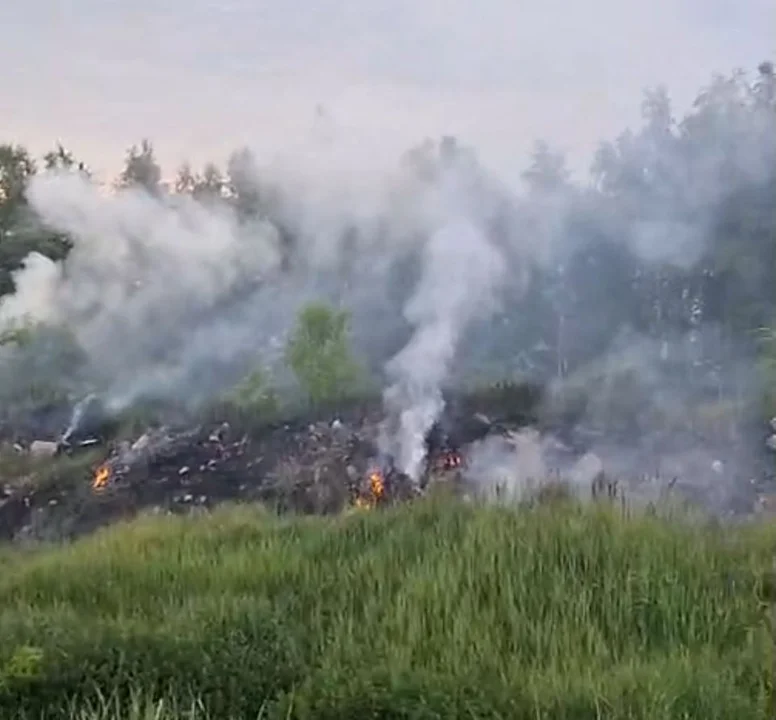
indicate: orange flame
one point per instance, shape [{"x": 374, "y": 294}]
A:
[
  {"x": 101, "y": 477},
  {"x": 376, "y": 484},
  {"x": 374, "y": 494}
]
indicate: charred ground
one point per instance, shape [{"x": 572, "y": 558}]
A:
[
  {"x": 315, "y": 461},
  {"x": 72, "y": 479}
]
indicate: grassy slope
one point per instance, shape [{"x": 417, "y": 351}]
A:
[{"x": 437, "y": 610}]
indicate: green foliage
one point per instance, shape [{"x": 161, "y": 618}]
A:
[
  {"x": 141, "y": 169},
  {"x": 320, "y": 356},
  {"x": 21, "y": 232},
  {"x": 42, "y": 364},
  {"x": 428, "y": 611},
  {"x": 18, "y": 335},
  {"x": 62, "y": 159},
  {"x": 250, "y": 405},
  {"x": 63, "y": 473},
  {"x": 16, "y": 167},
  {"x": 767, "y": 342},
  {"x": 253, "y": 396},
  {"x": 23, "y": 665}
]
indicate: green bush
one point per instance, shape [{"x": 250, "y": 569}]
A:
[
  {"x": 250, "y": 404},
  {"x": 320, "y": 356},
  {"x": 254, "y": 393}
]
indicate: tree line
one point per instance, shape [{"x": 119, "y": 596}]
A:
[{"x": 672, "y": 232}]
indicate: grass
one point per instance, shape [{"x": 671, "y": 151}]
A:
[
  {"x": 23, "y": 471},
  {"x": 437, "y": 610}
]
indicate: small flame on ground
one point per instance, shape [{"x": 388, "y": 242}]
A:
[
  {"x": 375, "y": 492},
  {"x": 450, "y": 461},
  {"x": 101, "y": 477},
  {"x": 377, "y": 484}
]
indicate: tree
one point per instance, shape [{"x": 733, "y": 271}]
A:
[
  {"x": 242, "y": 183},
  {"x": 21, "y": 232},
  {"x": 210, "y": 185},
  {"x": 61, "y": 159},
  {"x": 185, "y": 180},
  {"x": 765, "y": 86},
  {"x": 141, "y": 169},
  {"x": 319, "y": 354},
  {"x": 16, "y": 167},
  {"x": 547, "y": 172}
]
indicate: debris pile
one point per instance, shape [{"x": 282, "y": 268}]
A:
[
  {"x": 321, "y": 467},
  {"x": 60, "y": 489}
]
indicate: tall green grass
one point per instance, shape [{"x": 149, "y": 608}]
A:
[{"x": 438, "y": 610}]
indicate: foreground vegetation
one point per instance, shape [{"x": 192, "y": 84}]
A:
[{"x": 437, "y": 610}]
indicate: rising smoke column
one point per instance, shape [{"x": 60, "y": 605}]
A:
[{"x": 460, "y": 272}]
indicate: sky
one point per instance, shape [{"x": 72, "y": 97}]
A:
[{"x": 203, "y": 77}]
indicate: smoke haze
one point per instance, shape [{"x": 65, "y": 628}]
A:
[
  {"x": 448, "y": 271},
  {"x": 202, "y": 77}
]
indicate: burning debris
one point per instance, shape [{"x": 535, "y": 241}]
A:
[
  {"x": 102, "y": 477},
  {"x": 449, "y": 460},
  {"x": 374, "y": 493},
  {"x": 319, "y": 467}
]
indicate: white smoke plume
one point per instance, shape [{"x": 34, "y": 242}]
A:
[
  {"x": 461, "y": 273},
  {"x": 141, "y": 272},
  {"x": 164, "y": 293}
]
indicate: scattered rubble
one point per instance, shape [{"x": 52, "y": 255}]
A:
[
  {"x": 319, "y": 467},
  {"x": 43, "y": 448}
]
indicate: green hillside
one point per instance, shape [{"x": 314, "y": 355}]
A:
[{"x": 437, "y": 610}]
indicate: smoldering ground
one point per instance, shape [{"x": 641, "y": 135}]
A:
[{"x": 448, "y": 275}]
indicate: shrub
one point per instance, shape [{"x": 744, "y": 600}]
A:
[{"x": 320, "y": 356}]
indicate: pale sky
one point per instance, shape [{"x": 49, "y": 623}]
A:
[{"x": 202, "y": 77}]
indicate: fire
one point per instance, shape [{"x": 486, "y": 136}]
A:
[
  {"x": 101, "y": 477},
  {"x": 450, "y": 461},
  {"x": 375, "y": 492},
  {"x": 376, "y": 484}
]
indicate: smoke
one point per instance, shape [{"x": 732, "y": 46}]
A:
[
  {"x": 76, "y": 418},
  {"x": 612, "y": 294},
  {"x": 461, "y": 272},
  {"x": 174, "y": 298},
  {"x": 511, "y": 466},
  {"x": 518, "y": 465},
  {"x": 141, "y": 277}
]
